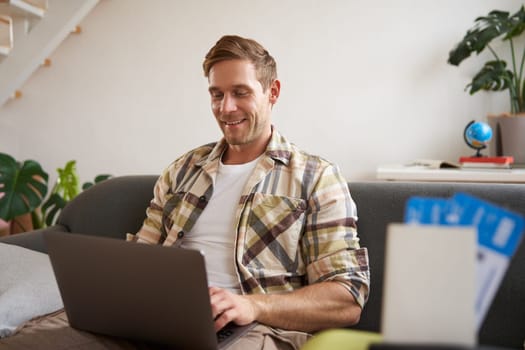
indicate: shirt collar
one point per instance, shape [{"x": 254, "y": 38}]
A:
[{"x": 279, "y": 149}]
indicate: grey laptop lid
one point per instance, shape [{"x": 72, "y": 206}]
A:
[{"x": 135, "y": 291}]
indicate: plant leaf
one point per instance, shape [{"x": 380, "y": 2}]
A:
[
  {"x": 98, "y": 178},
  {"x": 52, "y": 207},
  {"x": 517, "y": 24},
  {"x": 492, "y": 77},
  {"x": 101, "y": 177},
  {"x": 485, "y": 29},
  {"x": 67, "y": 185},
  {"x": 22, "y": 186}
]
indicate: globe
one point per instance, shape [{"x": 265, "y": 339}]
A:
[{"x": 477, "y": 135}]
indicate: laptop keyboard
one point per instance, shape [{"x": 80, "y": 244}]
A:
[{"x": 223, "y": 334}]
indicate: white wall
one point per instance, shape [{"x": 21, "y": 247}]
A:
[{"x": 363, "y": 82}]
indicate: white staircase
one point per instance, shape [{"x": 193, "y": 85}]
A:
[{"x": 30, "y": 30}]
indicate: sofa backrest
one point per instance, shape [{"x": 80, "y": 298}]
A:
[
  {"x": 111, "y": 208},
  {"x": 380, "y": 203}
]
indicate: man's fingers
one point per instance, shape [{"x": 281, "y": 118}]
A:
[
  {"x": 218, "y": 307},
  {"x": 214, "y": 290},
  {"x": 220, "y": 302},
  {"x": 224, "y": 318},
  {"x": 228, "y": 307}
]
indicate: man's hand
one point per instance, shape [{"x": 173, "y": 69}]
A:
[
  {"x": 228, "y": 307},
  {"x": 311, "y": 308}
]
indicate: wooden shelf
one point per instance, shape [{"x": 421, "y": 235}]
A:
[
  {"x": 6, "y": 35},
  {"x": 36, "y": 32},
  {"x": 23, "y": 8}
]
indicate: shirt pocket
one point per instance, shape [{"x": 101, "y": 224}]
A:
[
  {"x": 274, "y": 228},
  {"x": 180, "y": 211},
  {"x": 172, "y": 204}
]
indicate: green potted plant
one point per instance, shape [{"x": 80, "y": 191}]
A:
[
  {"x": 498, "y": 75},
  {"x": 66, "y": 188},
  {"x": 23, "y": 189}
]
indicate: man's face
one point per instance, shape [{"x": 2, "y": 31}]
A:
[{"x": 241, "y": 107}]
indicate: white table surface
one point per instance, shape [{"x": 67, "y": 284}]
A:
[{"x": 397, "y": 172}]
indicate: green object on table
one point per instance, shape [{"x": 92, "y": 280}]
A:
[{"x": 342, "y": 339}]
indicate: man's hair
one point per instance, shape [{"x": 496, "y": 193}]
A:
[{"x": 232, "y": 47}]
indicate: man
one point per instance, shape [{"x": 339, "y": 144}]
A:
[{"x": 276, "y": 224}]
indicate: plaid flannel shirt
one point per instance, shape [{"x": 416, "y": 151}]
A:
[{"x": 296, "y": 220}]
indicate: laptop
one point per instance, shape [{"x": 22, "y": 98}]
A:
[
  {"x": 429, "y": 285},
  {"x": 148, "y": 293}
]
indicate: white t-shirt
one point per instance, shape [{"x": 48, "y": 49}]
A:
[{"x": 215, "y": 232}]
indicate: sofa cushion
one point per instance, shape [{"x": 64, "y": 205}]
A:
[{"x": 27, "y": 287}]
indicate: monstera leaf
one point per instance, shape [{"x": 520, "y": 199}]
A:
[
  {"x": 23, "y": 186},
  {"x": 486, "y": 29},
  {"x": 494, "y": 76},
  {"x": 51, "y": 208}
]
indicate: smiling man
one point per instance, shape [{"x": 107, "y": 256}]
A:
[
  {"x": 242, "y": 107},
  {"x": 277, "y": 225}
]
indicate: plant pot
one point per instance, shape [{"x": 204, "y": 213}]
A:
[
  {"x": 19, "y": 224},
  {"x": 509, "y": 136},
  {"x": 4, "y": 228}
]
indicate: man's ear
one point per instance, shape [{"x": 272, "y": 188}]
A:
[{"x": 275, "y": 90}]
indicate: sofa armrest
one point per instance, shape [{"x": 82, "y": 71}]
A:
[
  {"x": 33, "y": 240},
  {"x": 110, "y": 208}
]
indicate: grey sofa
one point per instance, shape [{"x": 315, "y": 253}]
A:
[{"x": 118, "y": 205}]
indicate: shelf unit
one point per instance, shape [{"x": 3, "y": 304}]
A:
[
  {"x": 24, "y": 8},
  {"x": 6, "y": 35},
  {"x": 30, "y": 30},
  {"x": 397, "y": 172}
]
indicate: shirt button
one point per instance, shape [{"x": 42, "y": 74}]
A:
[
  {"x": 202, "y": 198},
  {"x": 180, "y": 234}
]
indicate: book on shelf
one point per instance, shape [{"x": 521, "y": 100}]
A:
[
  {"x": 433, "y": 164},
  {"x": 486, "y": 162}
]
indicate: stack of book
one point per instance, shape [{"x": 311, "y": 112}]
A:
[{"x": 486, "y": 162}]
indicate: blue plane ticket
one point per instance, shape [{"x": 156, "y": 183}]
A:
[{"x": 500, "y": 232}]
